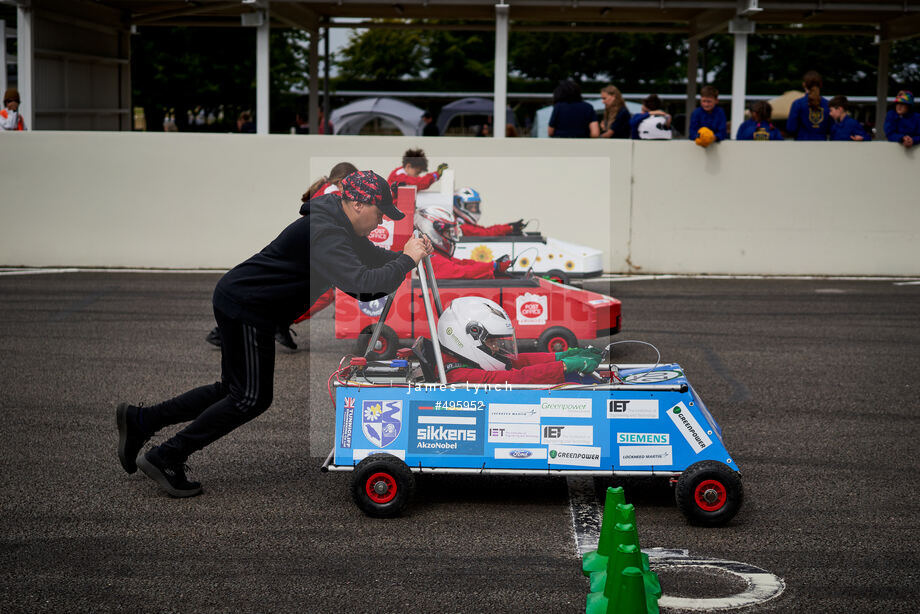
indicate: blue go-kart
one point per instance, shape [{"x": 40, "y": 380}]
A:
[{"x": 399, "y": 417}]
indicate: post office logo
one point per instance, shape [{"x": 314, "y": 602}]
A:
[{"x": 531, "y": 309}]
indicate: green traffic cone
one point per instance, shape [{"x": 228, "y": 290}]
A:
[
  {"x": 625, "y": 556},
  {"x": 623, "y": 535},
  {"x": 626, "y": 514},
  {"x": 596, "y": 560},
  {"x": 631, "y": 597}
]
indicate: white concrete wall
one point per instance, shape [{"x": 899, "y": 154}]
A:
[{"x": 186, "y": 200}]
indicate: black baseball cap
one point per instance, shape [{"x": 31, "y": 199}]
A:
[{"x": 371, "y": 189}]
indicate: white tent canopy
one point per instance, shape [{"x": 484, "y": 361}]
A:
[{"x": 354, "y": 116}]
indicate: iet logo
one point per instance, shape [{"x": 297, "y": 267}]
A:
[
  {"x": 617, "y": 406},
  {"x": 552, "y": 432}
]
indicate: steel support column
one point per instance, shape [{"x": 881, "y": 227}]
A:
[
  {"x": 740, "y": 28},
  {"x": 881, "y": 88},
  {"x": 25, "y": 66},
  {"x": 693, "y": 62},
  {"x": 262, "y": 73},
  {"x": 501, "y": 70},
  {"x": 313, "y": 68}
]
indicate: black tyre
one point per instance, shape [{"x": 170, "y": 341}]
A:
[
  {"x": 387, "y": 343},
  {"x": 556, "y": 339},
  {"x": 556, "y": 275},
  {"x": 709, "y": 493},
  {"x": 382, "y": 485}
]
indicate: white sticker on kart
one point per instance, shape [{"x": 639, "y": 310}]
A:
[
  {"x": 568, "y": 434},
  {"x": 652, "y": 377},
  {"x": 520, "y": 453},
  {"x": 556, "y": 407},
  {"x": 632, "y": 409},
  {"x": 512, "y": 412},
  {"x": 633, "y": 456},
  {"x": 382, "y": 236},
  {"x": 531, "y": 309},
  {"x": 514, "y": 433},
  {"x": 581, "y": 456},
  {"x": 688, "y": 427},
  {"x": 360, "y": 455}
]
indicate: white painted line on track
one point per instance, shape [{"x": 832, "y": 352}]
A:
[
  {"x": 761, "y": 585},
  {"x": 907, "y": 283},
  {"x": 7, "y": 272}
]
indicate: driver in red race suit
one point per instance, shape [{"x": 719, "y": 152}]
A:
[
  {"x": 414, "y": 171},
  {"x": 479, "y": 346},
  {"x": 468, "y": 208},
  {"x": 440, "y": 226}
]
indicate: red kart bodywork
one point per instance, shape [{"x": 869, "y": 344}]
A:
[{"x": 553, "y": 314}]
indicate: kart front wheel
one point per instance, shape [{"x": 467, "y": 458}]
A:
[
  {"x": 709, "y": 493},
  {"x": 558, "y": 276},
  {"x": 382, "y": 485}
]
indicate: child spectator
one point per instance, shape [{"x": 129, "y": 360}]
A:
[
  {"x": 615, "y": 124},
  {"x": 845, "y": 128},
  {"x": 759, "y": 128},
  {"x": 809, "y": 116},
  {"x": 902, "y": 125},
  {"x": 652, "y": 123},
  {"x": 10, "y": 119},
  {"x": 708, "y": 115},
  {"x": 572, "y": 117},
  {"x": 414, "y": 171}
]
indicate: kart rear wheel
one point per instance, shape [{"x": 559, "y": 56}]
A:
[
  {"x": 558, "y": 276},
  {"x": 387, "y": 343},
  {"x": 382, "y": 485},
  {"x": 709, "y": 493},
  {"x": 556, "y": 339}
]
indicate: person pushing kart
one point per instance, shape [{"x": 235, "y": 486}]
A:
[{"x": 479, "y": 346}]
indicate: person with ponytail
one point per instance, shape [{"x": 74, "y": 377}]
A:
[
  {"x": 810, "y": 116},
  {"x": 330, "y": 184}
]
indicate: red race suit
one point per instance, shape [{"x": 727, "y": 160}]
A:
[
  {"x": 422, "y": 182},
  {"x": 530, "y": 368}
]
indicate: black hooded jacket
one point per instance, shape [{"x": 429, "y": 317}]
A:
[{"x": 314, "y": 253}]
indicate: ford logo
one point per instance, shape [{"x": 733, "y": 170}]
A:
[{"x": 520, "y": 453}]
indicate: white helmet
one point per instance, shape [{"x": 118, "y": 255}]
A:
[
  {"x": 654, "y": 127},
  {"x": 480, "y": 331},
  {"x": 439, "y": 225},
  {"x": 468, "y": 205}
]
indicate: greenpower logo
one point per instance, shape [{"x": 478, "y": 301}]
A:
[
  {"x": 676, "y": 410},
  {"x": 449, "y": 331},
  {"x": 552, "y": 454}
]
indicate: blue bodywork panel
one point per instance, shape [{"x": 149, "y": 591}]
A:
[{"x": 472, "y": 426}]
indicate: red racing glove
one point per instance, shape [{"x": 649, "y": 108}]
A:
[{"x": 501, "y": 266}]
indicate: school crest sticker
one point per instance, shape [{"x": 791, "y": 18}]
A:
[{"x": 381, "y": 421}]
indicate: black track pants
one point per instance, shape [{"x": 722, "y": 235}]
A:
[{"x": 244, "y": 392}]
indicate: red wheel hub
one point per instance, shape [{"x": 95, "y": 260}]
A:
[
  {"x": 380, "y": 487},
  {"x": 558, "y": 344},
  {"x": 710, "y": 495}
]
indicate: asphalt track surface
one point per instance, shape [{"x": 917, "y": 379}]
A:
[{"x": 815, "y": 383}]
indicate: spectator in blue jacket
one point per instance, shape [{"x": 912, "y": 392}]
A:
[
  {"x": 809, "y": 116},
  {"x": 902, "y": 125},
  {"x": 659, "y": 126},
  {"x": 759, "y": 128},
  {"x": 845, "y": 128},
  {"x": 709, "y": 115},
  {"x": 572, "y": 117}
]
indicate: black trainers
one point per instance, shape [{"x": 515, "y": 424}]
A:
[
  {"x": 130, "y": 436},
  {"x": 170, "y": 476},
  {"x": 213, "y": 337},
  {"x": 283, "y": 336}
]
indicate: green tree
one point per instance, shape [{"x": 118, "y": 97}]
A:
[{"x": 383, "y": 55}]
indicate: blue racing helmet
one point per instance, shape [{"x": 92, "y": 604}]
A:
[{"x": 467, "y": 205}]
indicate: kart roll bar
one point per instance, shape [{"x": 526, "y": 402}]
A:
[
  {"x": 424, "y": 270},
  {"x": 383, "y": 316}
]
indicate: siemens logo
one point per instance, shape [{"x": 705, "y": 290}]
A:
[{"x": 653, "y": 438}]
